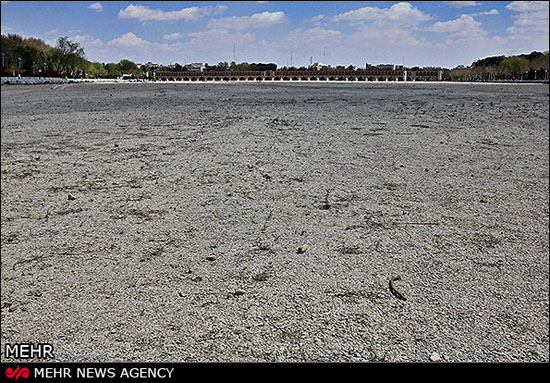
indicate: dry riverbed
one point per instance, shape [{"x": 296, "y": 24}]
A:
[{"x": 263, "y": 222}]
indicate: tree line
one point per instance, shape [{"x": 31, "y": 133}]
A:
[
  {"x": 533, "y": 66},
  {"x": 33, "y": 57}
]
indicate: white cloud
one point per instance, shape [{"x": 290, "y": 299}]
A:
[
  {"x": 257, "y": 20},
  {"x": 317, "y": 18},
  {"x": 531, "y": 21},
  {"x": 404, "y": 13},
  {"x": 461, "y": 4},
  {"x": 491, "y": 12},
  {"x": 300, "y": 36},
  {"x": 128, "y": 40},
  {"x": 96, "y": 7},
  {"x": 172, "y": 36},
  {"x": 463, "y": 27},
  {"x": 215, "y": 45},
  {"x": 144, "y": 13},
  {"x": 528, "y": 6},
  {"x": 87, "y": 41}
]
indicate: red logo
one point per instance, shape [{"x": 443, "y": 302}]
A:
[{"x": 19, "y": 371}]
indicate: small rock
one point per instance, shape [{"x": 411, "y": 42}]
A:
[
  {"x": 302, "y": 249},
  {"x": 324, "y": 206},
  {"x": 435, "y": 357},
  {"x": 261, "y": 277},
  {"x": 239, "y": 292},
  {"x": 71, "y": 197},
  {"x": 196, "y": 279},
  {"x": 211, "y": 258}
]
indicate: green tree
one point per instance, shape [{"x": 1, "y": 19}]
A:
[
  {"x": 31, "y": 59},
  {"x": 514, "y": 65},
  {"x": 113, "y": 70},
  {"x": 127, "y": 66},
  {"x": 97, "y": 69},
  {"x": 69, "y": 57}
]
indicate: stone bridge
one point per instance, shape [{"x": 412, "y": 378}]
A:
[{"x": 343, "y": 75}]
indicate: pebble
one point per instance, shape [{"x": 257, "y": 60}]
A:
[
  {"x": 435, "y": 357},
  {"x": 302, "y": 249},
  {"x": 261, "y": 277},
  {"x": 210, "y": 258},
  {"x": 71, "y": 197},
  {"x": 239, "y": 292},
  {"x": 196, "y": 279}
]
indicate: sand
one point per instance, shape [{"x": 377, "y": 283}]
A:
[{"x": 263, "y": 222}]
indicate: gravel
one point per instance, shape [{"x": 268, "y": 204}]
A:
[{"x": 117, "y": 197}]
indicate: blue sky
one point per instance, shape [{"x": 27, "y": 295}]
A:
[{"x": 439, "y": 33}]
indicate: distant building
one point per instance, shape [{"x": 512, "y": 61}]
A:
[
  {"x": 319, "y": 66},
  {"x": 383, "y": 67},
  {"x": 196, "y": 67},
  {"x": 150, "y": 65}
]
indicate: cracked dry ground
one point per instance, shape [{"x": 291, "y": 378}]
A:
[{"x": 263, "y": 222}]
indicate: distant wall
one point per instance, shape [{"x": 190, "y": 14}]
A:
[{"x": 34, "y": 80}]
